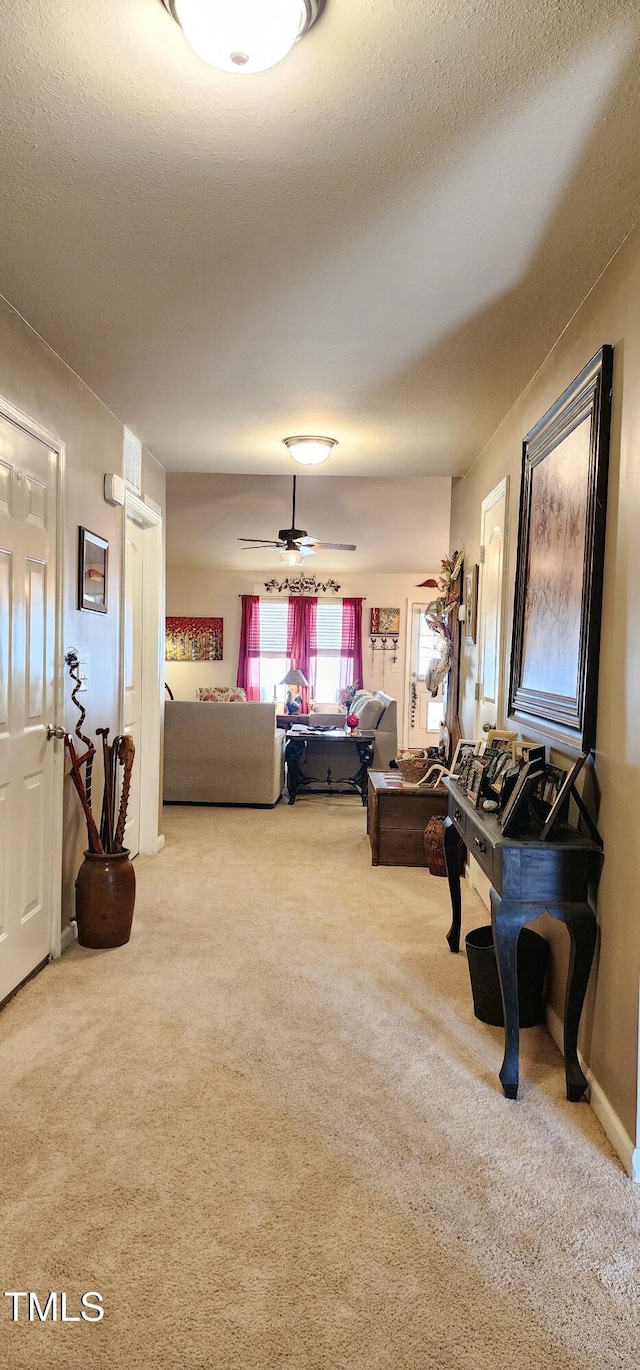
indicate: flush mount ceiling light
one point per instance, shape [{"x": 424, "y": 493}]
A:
[
  {"x": 244, "y": 35},
  {"x": 310, "y": 451}
]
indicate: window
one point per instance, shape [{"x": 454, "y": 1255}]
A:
[
  {"x": 428, "y": 645},
  {"x": 274, "y": 662},
  {"x": 328, "y": 651},
  {"x": 273, "y": 646}
]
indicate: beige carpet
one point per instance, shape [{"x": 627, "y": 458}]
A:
[{"x": 270, "y": 1132}]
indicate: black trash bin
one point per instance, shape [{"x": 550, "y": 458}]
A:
[{"x": 533, "y": 959}]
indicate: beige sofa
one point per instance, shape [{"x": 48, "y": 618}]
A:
[{"x": 219, "y": 753}]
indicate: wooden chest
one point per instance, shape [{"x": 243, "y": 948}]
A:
[{"x": 397, "y": 817}]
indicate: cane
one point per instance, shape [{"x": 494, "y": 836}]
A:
[
  {"x": 76, "y": 776},
  {"x": 106, "y": 822},
  {"x": 126, "y": 753}
]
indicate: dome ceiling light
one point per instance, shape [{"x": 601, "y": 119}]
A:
[
  {"x": 310, "y": 451},
  {"x": 244, "y": 35}
]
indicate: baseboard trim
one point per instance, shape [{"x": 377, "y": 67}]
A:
[
  {"x": 68, "y": 936},
  {"x": 159, "y": 842},
  {"x": 604, "y": 1111}
]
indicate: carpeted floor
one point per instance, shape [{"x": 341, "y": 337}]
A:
[{"x": 270, "y": 1133}]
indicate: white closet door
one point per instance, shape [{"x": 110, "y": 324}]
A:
[{"x": 27, "y": 643}]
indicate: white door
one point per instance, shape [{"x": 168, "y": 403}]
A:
[
  {"x": 132, "y": 682},
  {"x": 30, "y": 870},
  {"x": 490, "y": 688},
  {"x": 425, "y": 711}
]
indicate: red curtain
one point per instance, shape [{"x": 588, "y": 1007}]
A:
[
  {"x": 351, "y": 664},
  {"x": 249, "y": 658},
  {"x": 302, "y": 641}
]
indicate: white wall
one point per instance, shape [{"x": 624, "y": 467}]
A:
[{"x": 217, "y": 593}]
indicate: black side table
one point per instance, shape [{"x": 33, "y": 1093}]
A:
[{"x": 306, "y": 752}]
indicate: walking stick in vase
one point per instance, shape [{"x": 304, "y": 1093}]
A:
[
  {"x": 106, "y": 821},
  {"x": 71, "y": 660},
  {"x": 76, "y": 775},
  {"x": 115, "y": 749},
  {"x": 126, "y": 753}
]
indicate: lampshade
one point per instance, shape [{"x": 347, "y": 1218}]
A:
[
  {"x": 243, "y": 35},
  {"x": 291, "y": 558},
  {"x": 310, "y": 451},
  {"x": 295, "y": 677}
]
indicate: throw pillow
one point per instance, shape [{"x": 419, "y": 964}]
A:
[
  {"x": 221, "y": 694},
  {"x": 358, "y": 701}
]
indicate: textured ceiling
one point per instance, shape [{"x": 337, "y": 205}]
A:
[
  {"x": 397, "y": 525},
  {"x": 379, "y": 239}
]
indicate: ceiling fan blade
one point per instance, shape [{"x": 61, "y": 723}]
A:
[
  {"x": 264, "y": 542},
  {"x": 334, "y": 546}
]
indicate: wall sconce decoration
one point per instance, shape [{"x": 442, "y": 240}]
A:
[{"x": 302, "y": 585}]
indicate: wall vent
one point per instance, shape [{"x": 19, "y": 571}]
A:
[{"x": 132, "y": 460}]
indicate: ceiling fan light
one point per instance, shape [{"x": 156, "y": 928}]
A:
[
  {"x": 242, "y": 35},
  {"x": 310, "y": 451},
  {"x": 291, "y": 558}
]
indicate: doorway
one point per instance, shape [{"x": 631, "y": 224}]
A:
[
  {"x": 424, "y": 710},
  {"x": 31, "y": 757},
  {"x": 492, "y": 588},
  {"x": 142, "y": 670},
  {"x": 491, "y": 609}
]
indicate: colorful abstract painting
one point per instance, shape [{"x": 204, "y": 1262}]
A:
[
  {"x": 193, "y": 639},
  {"x": 385, "y": 622}
]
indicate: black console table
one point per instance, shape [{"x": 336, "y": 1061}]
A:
[
  {"x": 528, "y": 878},
  {"x": 304, "y": 749}
]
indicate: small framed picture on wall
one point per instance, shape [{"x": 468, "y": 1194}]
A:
[
  {"x": 93, "y": 561},
  {"x": 471, "y": 604}
]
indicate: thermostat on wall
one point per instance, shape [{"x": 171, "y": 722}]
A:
[{"x": 114, "y": 489}]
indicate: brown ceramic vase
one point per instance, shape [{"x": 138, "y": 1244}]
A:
[{"x": 105, "y": 896}]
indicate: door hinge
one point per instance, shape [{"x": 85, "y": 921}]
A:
[
  {"x": 482, "y": 556},
  {"x": 477, "y": 690}
]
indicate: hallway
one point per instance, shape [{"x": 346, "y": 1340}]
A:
[{"x": 270, "y": 1132}]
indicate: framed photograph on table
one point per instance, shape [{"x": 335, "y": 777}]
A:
[
  {"x": 466, "y": 747},
  {"x": 474, "y": 779},
  {"x": 558, "y": 597},
  {"x": 93, "y": 562},
  {"x": 516, "y": 810},
  {"x": 561, "y": 801}
]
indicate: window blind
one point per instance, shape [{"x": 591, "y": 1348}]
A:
[
  {"x": 329, "y": 626},
  {"x": 273, "y": 625}
]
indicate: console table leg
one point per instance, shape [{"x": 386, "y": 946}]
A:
[
  {"x": 508, "y": 918},
  {"x": 450, "y": 841},
  {"x": 581, "y": 922}
]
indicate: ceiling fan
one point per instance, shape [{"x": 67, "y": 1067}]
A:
[{"x": 293, "y": 543}]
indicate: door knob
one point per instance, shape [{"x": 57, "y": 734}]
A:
[
  {"x": 53, "y": 731},
  {"x": 489, "y": 727}
]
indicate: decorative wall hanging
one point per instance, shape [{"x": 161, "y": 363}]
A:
[
  {"x": 193, "y": 639},
  {"x": 558, "y": 597},
  {"x": 385, "y": 622},
  {"x": 301, "y": 585},
  {"x": 93, "y": 561},
  {"x": 471, "y": 604}
]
